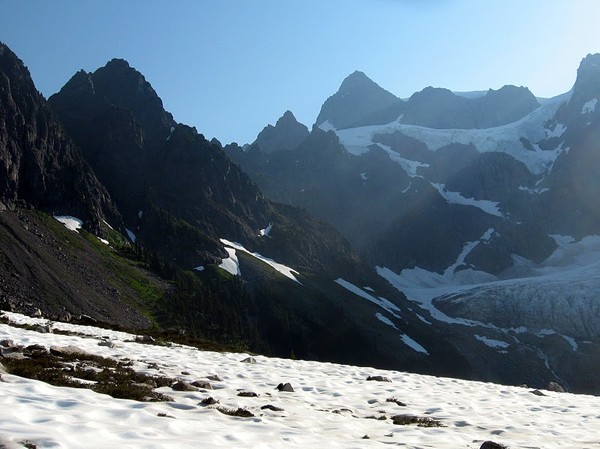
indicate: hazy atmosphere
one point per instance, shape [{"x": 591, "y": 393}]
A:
[{"x": 230, "y": 67}]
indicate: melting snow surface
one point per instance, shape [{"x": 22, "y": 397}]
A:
[
  {"x": 283, "y": 269},
  {"x": 471, "y": 412},
  {"x": 71, "y": 223}
]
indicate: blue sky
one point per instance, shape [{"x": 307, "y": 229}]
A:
[{"x": 230, "y": 67}]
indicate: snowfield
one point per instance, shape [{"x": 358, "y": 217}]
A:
[
  {"x": 502, "y": 139},
  {"x": 331, "y": 405},
  {"x": 561, "y": 292}
]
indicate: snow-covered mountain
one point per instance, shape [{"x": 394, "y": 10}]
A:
[
  {"x": 324, "y": 405},
  {"x": 473, "y": 206}
]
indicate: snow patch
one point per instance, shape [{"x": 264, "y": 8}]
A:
[
  {"x": 413, "y": 344},
  {"x": 572, "y": 342},
  {"x": 381, "y": 302},
  {"x": 558, "y": 130},
  {"x": 106, "y": 242},
  {"x": 266, "y": 231},
  {"x": 492, "y": 343},
  {"x": 327, "y": 126},
  {"x": 409, "y": 166},
  {"x": 199, "y": 268},
  {"x": 589, "y": 106},
  {"x": 71, "y": 223},
  {"x": 131, "y": 235},
  {"x": 537, "y": 191},
  {"x": 364, "y": 176},
  {"x": 171, "y": 133},
  {"x": 231, "y": 264},
  {"x": 385, "y": 320},
  {"x": 283, "y": 269},
  {"x": 140, "y": 214},
  {"x": 489, "y": 207}
]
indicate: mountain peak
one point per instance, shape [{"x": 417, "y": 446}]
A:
[
  {"x": 119, "y": 85},
  {"x": 287, "y": 117},
  {"x": 359, "y": 101},
  {"x": 118, "y": 63},
  {"x": 287, "y": 134},
  {"x": 354, "y": 80},
  {"x": 587, "y": 85}
]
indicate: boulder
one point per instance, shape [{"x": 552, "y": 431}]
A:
[
  {"x": 285, "y": 387},
  {"x": 379, "y": 379},
  {"x": 492, "y": 445},
  {"x": 553, "y": 386},
  {"x": 183, "y": 386},
  {"x": 202, "y": 384}
]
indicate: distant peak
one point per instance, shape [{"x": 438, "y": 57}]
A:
[
  {"x": 354, "y": 80},
  {"x": 287, "y": 117},
  {"x": 118, "y": 63},
  {"x": 587, "y": 84},
  {"x": 591, "y": 60}
]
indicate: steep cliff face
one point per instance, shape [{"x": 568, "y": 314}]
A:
[
  {"x": 41, "y": 166},
  {"x": 572, "y": 206}
]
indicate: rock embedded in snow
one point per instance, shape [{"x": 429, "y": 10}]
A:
[
  {"x": 421, "y": 421},
  {"x": 285, "y": 387},
  {"x": 247, "y": 394},
  {"x": 553, "y": 386},
  {"x": 183, "y": 386},
  {"x": 250, "y": 360},
  {"x": 272, "y": 408},
  {"x": 66, "y": 350},
  {"x": 492, "y": 445},
  {"x": 208, "y": 401},
  {"x": 379, "y": 379},
  {"x": 202, "y": 384}
]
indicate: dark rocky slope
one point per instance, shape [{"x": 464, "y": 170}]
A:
[
  {"x": 178, "y": 192},
  {"x": 41, "y": 166}
]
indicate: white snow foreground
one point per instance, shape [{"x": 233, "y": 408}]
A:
[{"x": 329, "y": 408}]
